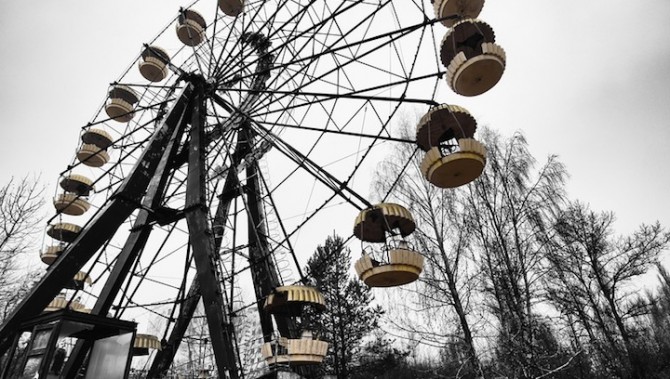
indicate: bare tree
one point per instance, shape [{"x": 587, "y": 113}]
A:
[
  {"x": 656, "y": 338},
  {"x": 447, "y": 282},
  {"x": 590, "y": 271},
  {"x": 20, "y": 204},
  {"x": 510, "y": 209}
]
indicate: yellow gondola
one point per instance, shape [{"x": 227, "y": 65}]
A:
[
  {"x": 295, "y": 352},
  {"x": 290, "y": 300},
  {"x": 191, "y": 28},
  {"x": 474, "y": 62},
  {"x": 404, "y": 266},
  {"x": 153, "y": 63},
  {"x": 454, "y": 169},
  {"x": 121, "y": 102},
  {"x": 372, "y": 224}
]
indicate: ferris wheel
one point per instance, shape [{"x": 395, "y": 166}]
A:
[{"x": 238, "y": 129}]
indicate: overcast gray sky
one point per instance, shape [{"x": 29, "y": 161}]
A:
[{"x": 586, "y": 80}]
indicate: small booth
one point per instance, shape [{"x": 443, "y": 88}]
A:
[{"x": 44, "y": 343}]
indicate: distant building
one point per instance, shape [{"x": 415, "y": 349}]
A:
[{"x": 250, "y": 337}]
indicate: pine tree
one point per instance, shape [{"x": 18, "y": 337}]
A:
[{"x": 349, "y": 316}]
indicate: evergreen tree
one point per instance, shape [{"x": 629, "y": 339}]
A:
[
  {"x": 349, "y": 316},
  {"x": 381, "y": 359}
]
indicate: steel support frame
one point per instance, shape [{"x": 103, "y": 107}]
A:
[
  {"x": 201, "y": 240},
  {"x": 164, "y": 358},
  {"x": 135, "y": 242},
  {"x": 101, "y": 228},
  {"x": 263, "y": 270},
  {"x": 149, "y": 175}
]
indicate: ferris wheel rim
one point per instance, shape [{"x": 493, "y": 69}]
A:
[{"x": 149, "y": 113}]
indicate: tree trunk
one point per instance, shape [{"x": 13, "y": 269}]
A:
[
  {"x": 465, "y": 326},
  {"x": 453, "y": 291}
]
